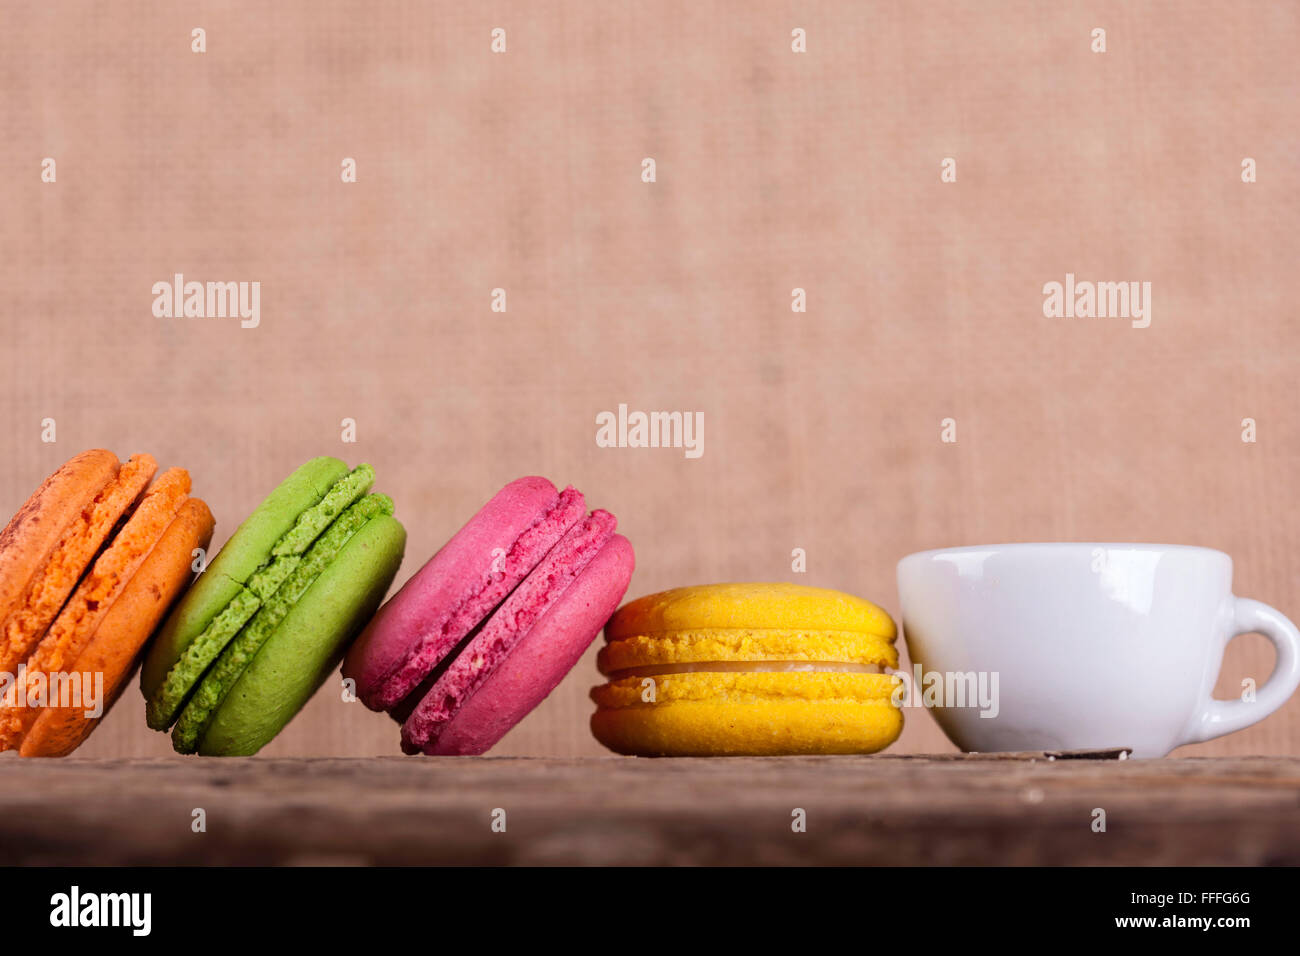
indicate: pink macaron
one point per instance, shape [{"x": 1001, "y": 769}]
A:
[{"x": 490, "y": 625}]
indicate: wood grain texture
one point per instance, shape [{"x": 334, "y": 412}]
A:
[{"x": 860, "y": 810}]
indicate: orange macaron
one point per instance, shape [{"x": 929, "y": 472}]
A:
[{"x": 88, "y": 569}]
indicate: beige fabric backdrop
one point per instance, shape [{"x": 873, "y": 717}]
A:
[{"x": 775, "y": 171}]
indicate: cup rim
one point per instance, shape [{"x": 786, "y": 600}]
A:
[{"x": 1062, "y": 545}]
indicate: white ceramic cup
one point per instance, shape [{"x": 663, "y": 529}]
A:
[{"x": 1094, "y": 646}]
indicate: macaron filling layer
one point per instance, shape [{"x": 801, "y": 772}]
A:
[
  {"x": 507, "y": 626},
  {"x": 261, "y": 586},
  {"x": 739, "y": 689},
  {"x": 241, "y": 650},
  {"x": 543, "y": 658},
  {"x": 502, "y": 575},
  {"x": 313, "y": 522},
  {"x": 748, "y": 667}
]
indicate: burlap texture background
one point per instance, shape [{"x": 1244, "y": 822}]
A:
[{"x": 774, "y": 171}]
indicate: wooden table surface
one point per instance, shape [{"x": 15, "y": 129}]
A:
[{"x": 873, "y": 810}]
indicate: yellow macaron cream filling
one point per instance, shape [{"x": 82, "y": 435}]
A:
[{"x": 746, "y": 687}]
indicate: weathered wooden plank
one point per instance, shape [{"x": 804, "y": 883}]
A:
[{"x": 976, "y": 809}]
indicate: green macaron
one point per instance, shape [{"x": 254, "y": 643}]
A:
[{"x": 264, "y": 625}]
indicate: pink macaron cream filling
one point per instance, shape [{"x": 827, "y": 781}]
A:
[
  {"x": 506, "y": 628},
  {"x": 543, "y": 657},
  {"x": 491, "y": 624},
  {"x": 459, "y": 587}
]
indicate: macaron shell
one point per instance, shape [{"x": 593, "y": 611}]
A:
[
  {"x": 749, "y": 605},
  {"x": 545, "y": 655},
  {"x": 50, "y": 584},
  {"x": 76, "y": 624},
  {"x": 308, "y": 643},
  {"x": 458, "y": 588},
  {"x": 758, "y": 714},
  {"x": 746, "y": 688},
  {"x": 248, "y": 548},
  {"x": 32, "y": 533},
  {"x": 781, "y": 728},
  {"x": 115, "y": 647}
]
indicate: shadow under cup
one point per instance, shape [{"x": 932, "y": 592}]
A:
[{"x": 1083, "y": 646}]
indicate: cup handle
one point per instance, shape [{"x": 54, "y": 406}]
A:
[{"x": 1218, "y": 717}]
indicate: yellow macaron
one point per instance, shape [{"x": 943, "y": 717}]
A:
[{"x": 755, "y": 669}]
